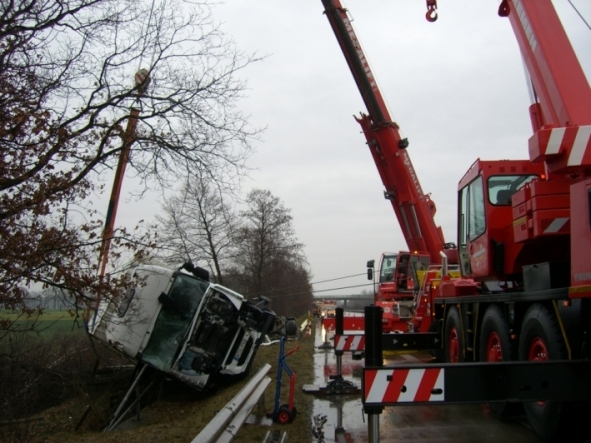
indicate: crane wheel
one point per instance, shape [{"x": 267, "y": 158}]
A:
[
  {"x": 541, "y": 340},
  {"x": 495, "y": 346},
  {"x": 454, "y": 339}
]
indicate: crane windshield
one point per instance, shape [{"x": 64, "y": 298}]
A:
[
  {"x": 387, "y": 268},
  {"x": 502, "y": 187}
]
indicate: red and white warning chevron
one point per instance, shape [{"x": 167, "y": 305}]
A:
[
  {"x": 388, "y": 385},
  {"x": 575, "y": 141},
  {"x": 556, "y": 225},
  {"x": 354, "y": 342}
]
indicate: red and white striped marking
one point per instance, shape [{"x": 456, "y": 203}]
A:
[
  {"x": 556, "y": 225},
  {"x": 576, "y": 140},
  {"x": 349, "y": 342},
  {"x": 404, "y": 385}
]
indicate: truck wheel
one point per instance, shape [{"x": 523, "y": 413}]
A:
[
  {"x": 454, "y": 340},
  {"x": 541, "y": 341},
  {"x": 494, "y": 336},
  {"x": 495, "y": 346}
]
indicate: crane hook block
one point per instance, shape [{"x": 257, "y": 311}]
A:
[
  {"x": 431, "y": 14},
  {"x": 504, "y": 9}
]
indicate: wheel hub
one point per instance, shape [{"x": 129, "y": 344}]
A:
[{"x": 494, "y": 352}]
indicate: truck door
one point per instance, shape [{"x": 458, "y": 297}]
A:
[{"x": 472, "y": 224}]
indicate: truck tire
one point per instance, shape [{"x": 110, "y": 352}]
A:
[
  {"x": 496, "y": 346},
  {"x": 541, "y": 340},
  {"x": 454, "y": 339}
]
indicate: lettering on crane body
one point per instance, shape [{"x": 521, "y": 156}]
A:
[
  {"x": 585, "y": 276},
  {"x": 529, "y": 33},
  {"x": 360, "y": 54},
  {"x": 413, "y": 175}
]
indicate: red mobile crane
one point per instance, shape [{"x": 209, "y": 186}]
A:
[
  {"x": 524, "y": 228},
  {"x": 523, "y": 301},
  {"x": 524, "y": 244},
  {"x": 413, "y": 208}
]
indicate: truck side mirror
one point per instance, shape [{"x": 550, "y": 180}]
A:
[{"x": 370, "y": 265}]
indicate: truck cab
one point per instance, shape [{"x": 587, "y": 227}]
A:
[{"x": 184, "y": 325}]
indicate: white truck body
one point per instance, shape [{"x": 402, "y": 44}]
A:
[{"x": 183, "y": 325}]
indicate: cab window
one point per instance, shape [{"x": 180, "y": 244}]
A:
[
  {"x": 387, "y": 270},
  {"x": 502, "y": 187},
  {"x": 472, "y": 215}
]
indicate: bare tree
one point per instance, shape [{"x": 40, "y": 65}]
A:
[
  {"x": 269, "y": 260},
  {"x": 65, "y": 93},
  {"x": 198, "y": 225}
]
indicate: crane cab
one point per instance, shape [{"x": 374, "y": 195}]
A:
[
  {"x": 398, "y": 275},
  {"x": 488, "y": 250}
]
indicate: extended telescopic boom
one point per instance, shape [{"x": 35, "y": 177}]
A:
[{"x": 413, "y": 208}]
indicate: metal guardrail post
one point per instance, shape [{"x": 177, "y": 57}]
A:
[
  {"x": 339, "y": 330},
  {"x": 373, "y": 358}
]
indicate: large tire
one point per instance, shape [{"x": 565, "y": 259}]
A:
[
  {"x": 495, "y": 346},
  {"x": 454, "y": 339},
  {"x": 541, "y": 340}
]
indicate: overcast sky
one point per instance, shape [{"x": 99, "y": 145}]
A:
[{"x": 456, "y": 87}]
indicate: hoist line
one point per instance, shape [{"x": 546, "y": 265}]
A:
[{"x": 580, "y": 15}]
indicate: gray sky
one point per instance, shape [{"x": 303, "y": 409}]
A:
[{"x": 456, "y": 87}]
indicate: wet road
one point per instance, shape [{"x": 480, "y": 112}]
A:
[{"x": 345, "y": 421}]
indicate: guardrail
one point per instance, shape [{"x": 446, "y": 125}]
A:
[{"x": 227, "y": 422}]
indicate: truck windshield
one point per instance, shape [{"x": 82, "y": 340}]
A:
[{"x": 174, "y": 321}]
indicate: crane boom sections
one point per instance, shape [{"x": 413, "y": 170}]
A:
[
  {"x": 561, "y": 120},
  {"x": 412, "y": 207}
]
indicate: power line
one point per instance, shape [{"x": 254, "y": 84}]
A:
[
  {"x": 313, "y": 292},
  {"x": 344, "y": 287},
  {"x": 338, "y": 278},
  {"x": 580, "y": 15},
  {"x": 312, "y": 283}
]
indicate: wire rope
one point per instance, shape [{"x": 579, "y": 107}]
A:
[
  {"x": 146, "y": 35},
  {"x": 580, "y": 15}
]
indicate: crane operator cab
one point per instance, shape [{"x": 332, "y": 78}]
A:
[{"x": 399, "y": 274}]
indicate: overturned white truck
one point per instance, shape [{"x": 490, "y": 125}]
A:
[{"x": 180, "y": 323}]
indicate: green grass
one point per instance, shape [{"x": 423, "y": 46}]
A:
[
  {"x": 180, "y": 414},
  {"x": 52, "y": 321}
]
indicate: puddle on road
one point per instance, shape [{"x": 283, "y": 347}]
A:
[
  {"x": 343, "y": 413},
  {"x": 442, "y": 424}
]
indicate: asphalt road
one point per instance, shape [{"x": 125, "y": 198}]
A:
[{"x": 340, "y": 418}]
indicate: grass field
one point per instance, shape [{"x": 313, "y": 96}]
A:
[
  {"x": 50, "y": 322},
  {"x": 178, "y": 413}
]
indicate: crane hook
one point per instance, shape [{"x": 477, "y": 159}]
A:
[{"x": 431, "y": 14}]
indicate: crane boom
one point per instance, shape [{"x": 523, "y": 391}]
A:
[
  {"x": 561, "y": 116},
  {"x": 412, "y": 207}
]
